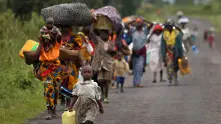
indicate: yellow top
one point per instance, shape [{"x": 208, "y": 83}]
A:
[
  {"x": 121, "y": 68},
  {"x": 170, "y": 38},
  {"x": 85, "y": 54}
]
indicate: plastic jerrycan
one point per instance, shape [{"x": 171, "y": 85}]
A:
[
  {"x": 30, "y": 45},
  {"x": 68, "y": 117},
  {"x": 183, "y": 66}
]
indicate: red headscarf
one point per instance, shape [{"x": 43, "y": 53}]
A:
[{"x": 158, "y": 27}]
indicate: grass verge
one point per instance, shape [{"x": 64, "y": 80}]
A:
[{"x": 21, "y": 94}]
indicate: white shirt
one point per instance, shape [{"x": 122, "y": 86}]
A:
[
  {"x": 186, "y": 33},
  {"x": 155, "y": 41},
  {"x": 88, "y": 89}
]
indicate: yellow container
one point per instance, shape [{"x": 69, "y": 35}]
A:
[
  {"x": 68, "y": 117},
  {"x": 30, "y": 45},
  {"x": 184, "y": 66}
]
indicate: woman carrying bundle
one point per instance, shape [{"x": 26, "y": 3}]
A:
[{"x": 51, "y": 71}]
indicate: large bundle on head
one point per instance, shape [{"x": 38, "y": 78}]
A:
[
  {"x": 112, "y": 14},
  {"x": 69, "y": 14},
  {"x": 114, "y": 17}
]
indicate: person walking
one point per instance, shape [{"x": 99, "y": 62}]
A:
[
  {"x": 86, "y": 98},
  {"x": 172, "y": 50},
  {"x": 155, "y": 60},
  {"x": 120, "y": 67},
  {"x": 139, "y": 40}
]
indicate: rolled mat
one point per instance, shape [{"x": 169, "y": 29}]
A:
[{"x": 69, "y": 14}]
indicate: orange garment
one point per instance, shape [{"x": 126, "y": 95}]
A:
[
  {"x": 113, "y": 38},
  {"x": 52, "y": 54}
]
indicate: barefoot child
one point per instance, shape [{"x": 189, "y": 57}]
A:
[
  {"x": 86, "y": 98},
  {"x": 121, "y": 67}
]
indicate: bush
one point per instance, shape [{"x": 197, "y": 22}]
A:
[{"x": 21, "y": 94}]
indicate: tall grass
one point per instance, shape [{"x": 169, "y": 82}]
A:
[{"x": 21, "y": 94}]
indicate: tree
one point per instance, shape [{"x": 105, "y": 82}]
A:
[
  {"x": 22, "y": 9},
  {"x": 93, "y": 3},
  {"x": 3, "y": 5},
  {"x": 127, "y": 7},
  {"x": 39, "y": 4}
]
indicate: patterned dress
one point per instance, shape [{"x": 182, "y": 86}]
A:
[
  {"x": 86, "y": 107},
  {"x": 172, "y": 50},
  {"x": 52, "y": 73},
  {"x": 170, "y": 63},
  {"x": 74, "y": 43}
]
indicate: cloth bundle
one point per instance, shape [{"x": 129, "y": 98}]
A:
[
  {"x": 69, "y": 14},
  {"x": 112, "y": 14}
]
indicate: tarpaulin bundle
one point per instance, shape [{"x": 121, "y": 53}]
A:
[{"x": 69, "y": 14}]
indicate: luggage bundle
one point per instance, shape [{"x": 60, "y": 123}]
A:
[
  {"x": 112, "y": 14},
  {"x": 69, "y": 14}
]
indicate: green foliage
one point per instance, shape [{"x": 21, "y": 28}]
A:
[
  {"x": 3, "y": 5},
  {"x": 94, "y": 3},
  {"x": 214, "y": 7},
  {"x": 148, "y": 11},
  {"x": 21, "y": 94},
  {"x": 23, "y": 9},
  {"x": 126, "y": 7}
]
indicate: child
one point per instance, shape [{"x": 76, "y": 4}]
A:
[
  {"x": 103, "y": 61},
  {"x": 86, "y": 98},
  {"x": 120, "y": 69},
  {"x": 52, "y": 31},
  {"x": 211, "y": 37}
]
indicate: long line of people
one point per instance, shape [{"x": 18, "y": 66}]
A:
[{"x": 79, "y": 67}]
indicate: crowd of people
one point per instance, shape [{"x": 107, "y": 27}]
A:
[{"x": 84, "y": 64}]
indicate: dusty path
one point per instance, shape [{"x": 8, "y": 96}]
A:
[{"x": 195, "y": 101}]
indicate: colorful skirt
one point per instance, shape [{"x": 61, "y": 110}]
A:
[
  {"x": 69, "y": 83},
  {"x": 52, "y": 73},
  {"x": 170, "y": 63}
]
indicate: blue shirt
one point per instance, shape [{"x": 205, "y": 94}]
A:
[{"x": 139, "y": 38}]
